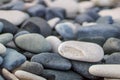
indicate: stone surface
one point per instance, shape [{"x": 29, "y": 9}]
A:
[
  {"x": 114, "y": 58},
  {"x": 1, "y": 78},
  {"x": 2, "y": 49},
  {"x": 107, "y": 70},
  {"x": 13, "y": 59},
  {"x": 52, "y": 61},
  {"x": 29, "y": 55},
  {"x": 9, "y": 27},
  {"x": 1, "y": 60},
  {"x": 71, "y": 9},
  {"x": 1, "y": 26},
  {"x": 112, "y": 45},
  {"x": 37, "y": 25},
  {"x": 32, "y": 67},
  {"x": 35, "y": 43},
  {"x": 53, "y": 22},
  {"x": 82, "y": 68},
  {"x": 8, "y": 75},
  {"x": 81, "y": 51},
  {"x": 110, "y": 79},
  {"x": 61, "y": 75},
  {"x": 15, "y": 17},
  {"x": 55, "y": 42},
  {"x": 23, "y": 75},
  {"x": 5, "y": 38},
  {"x": 67, "y": 30}
]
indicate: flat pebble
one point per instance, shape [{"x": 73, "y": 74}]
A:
[
  {"x": 81, "y": 51},
  {"x": 8, "y": 75},
  {"x": 32, "y": 67},
  {"x": 112, "y": 45},
  {"x": 2, "y": 49},
  {"x": 82, "y": 68},
  {"x": 37, "y": 25},
  {"x": 52, "y": 61},
  {"x": 13, "y": 59},
  {"x": 55, "y": 42},
  {"x": 23, "y": 75},
  {"x": 107, "y": 70},
  {"x": 61, "y": 75},
  {"x": 35, "y": 43},
  {"x": 14, "y": 16},
  {"x": 114, "y": 58},
  {"x": 5, "y": 38}
]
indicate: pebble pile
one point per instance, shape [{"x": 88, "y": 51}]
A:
[{"x": 59, "y": 39}]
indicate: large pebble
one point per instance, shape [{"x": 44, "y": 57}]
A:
[
  {"x": 66, "y": 30},
  {"x": 114, "y": 58},
  {"x": 9, "y": 27},
  {"x": 14, "y": 16},
  {"x": 112, "y": 45},
  {"x": 55, "y": 42},
  {"x": 13, "y": 59},
  {"x": 2, "y": 49},
  {"x": 23, "y": 75},
  {"x": 109, "y": 71},
  {"x": 71, "y": 9},
  {"x": 31, "y": 67},
  {"x": 81, "y": 51},
  {"x": 82, "y": 68},
  {"x": 61, "y": 75},
  {"x": 8, "y": 75},
  {"x": 37, "y": 25},
  {"x": 52, "y": 61},
  {"x": 5, "y": 38},
  {"x": 35, "y": 43}
]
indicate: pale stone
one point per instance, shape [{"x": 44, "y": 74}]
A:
[
  {"x": 81, "y": 51},
  {"x": 2, "y": 49},
  {"x": 107, "y": 70}
]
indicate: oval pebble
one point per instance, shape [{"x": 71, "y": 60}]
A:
[
  {"x": 23, "y": 75},
  {"x": 81, "y": 51},
  {"x": 107, "y": 70},
  {"x": 35, "y": 43},
  {"x": 2, "y": 49}
]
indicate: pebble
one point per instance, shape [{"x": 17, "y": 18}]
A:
[
  {"x": 83, "y": 18},
  {"x": 9, "y": 27},
  {"x": 53, "y": 22},
  {"x": 55, "y": 12},
  {"x": 5, "y": 38},
  {"x": 37, "y": 11},
  {"x": 23, "y": 75},
  {"x": 84, "y": 6},
  {"x": 14, "y": 16},
  {"x": 33, "y": 42},
  {"x": 37, "y": 25},
  {"x": 114, "y": 58},
  {"x": 55, "y": 42},
  {"x": 105, "y": 20},
  {"x": 71, "y": 9},
  {"x": 1, "y": 78},
  {"x": 32, "y": 67},
  {"x": 13, "y": 59},
  {"x": 66, "y": 30},
  {"x": 61, "y": 75},
  {"x": 2, "y": 49},
  {"x": 52, "y": 61},
  {"x": 112, "y": 45},
  {"x": 81, "y": 51},
  {"x": 106, "y": 70},
  {"x": 82, "y": 68},
  {"x": 97, "y": 33},
  {"x": 110, "y": 79},
  {"x": 114, "y": 13},
  {"x": 8, "y": 75},
  {"x": 1, "y": 26}
]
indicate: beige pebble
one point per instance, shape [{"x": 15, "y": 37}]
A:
[
  {"x": 81, "y": 51},
  {"x": 8, "y": 75},
  {"x": 23, "y": 75},
  {"x": 107, "y": 70}
]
